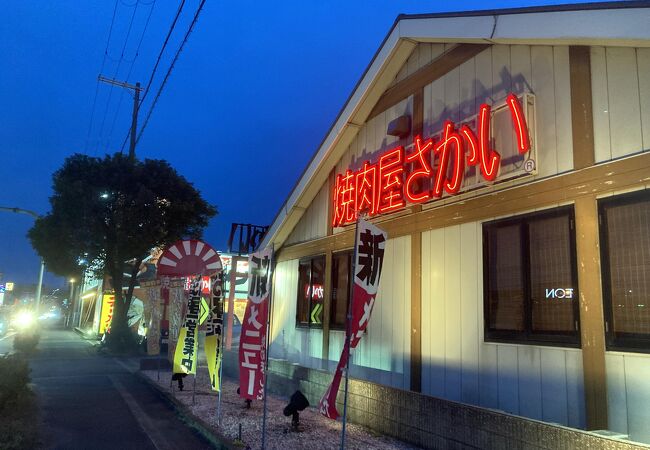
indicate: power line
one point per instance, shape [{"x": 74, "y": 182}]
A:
[
  {"x": 92, "y": 114},
  {"x": 110, "y": 93},
  {"x": 171, "y": 67},
  {"x": 128, "y": 76},
  {"x": 155, "y": 67}
]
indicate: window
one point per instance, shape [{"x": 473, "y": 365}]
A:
[
  {"x": 341, "y": 278},
  {"x": 625, "y": 261},
  {"x": 530, "y": 279},
  {"x": 311, "y": 292}
]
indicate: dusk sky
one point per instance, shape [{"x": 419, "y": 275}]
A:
[{"x": 251, "y": 97}]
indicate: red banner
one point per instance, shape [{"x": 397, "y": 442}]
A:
[
  {"x": 369, "y": 257},
  {"x": 252, "y": 343}
]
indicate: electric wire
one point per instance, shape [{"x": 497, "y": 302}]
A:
[
  {"x": 171, "y": 67},
  {"x": 155, "y": 67},
  {"x": 110, "y": 92},
  {"x": 128, "y": 76},
  {"x": 92, "y": 112}
]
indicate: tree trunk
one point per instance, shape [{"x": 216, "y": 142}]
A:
[{"x": 120, "y": 339}]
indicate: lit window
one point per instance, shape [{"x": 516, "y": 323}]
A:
[
  {"x": 311, "y": 292},
  {"x": 625, "y": 261},
  {"x": 531, "y": 289}
]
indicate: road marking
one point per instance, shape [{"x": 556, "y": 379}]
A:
[{"x": 148, "y": 425}]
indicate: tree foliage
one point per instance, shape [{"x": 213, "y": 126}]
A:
[{"x": 111, "y": 211}]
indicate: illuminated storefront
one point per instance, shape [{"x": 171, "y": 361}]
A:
[{"x": 506, "y": 154}]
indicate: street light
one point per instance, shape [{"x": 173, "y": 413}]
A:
[{"x": 42, "y": 269}]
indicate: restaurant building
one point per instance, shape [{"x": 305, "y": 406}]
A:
[{"x": 506, "y": 154}]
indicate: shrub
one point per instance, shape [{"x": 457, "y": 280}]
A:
[
  {"x": 26, "y": 342},
  {"x": 17, "y": 405}
]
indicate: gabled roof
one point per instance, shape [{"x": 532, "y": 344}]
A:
[{"x": 610, "y": 23}]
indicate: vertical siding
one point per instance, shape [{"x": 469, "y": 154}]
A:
[
  {"x": 313, "y": 223},
  {"x": 422, "y": 55},
  {"x": 499, "y": 70},
  {"x": 297, "y": 345},
  {"x": 533, "y": 381},
  {"x": 383, "y": 354},
  {"x": 620, "y": 78},
  {"x": 628, "y": 394}
]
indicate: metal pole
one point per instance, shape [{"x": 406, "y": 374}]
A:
[
  {"x": 221, "y": 345},
  {"x": 348, "y": 337},
  {"x": 39, "y": 286},
  {"x": 268, "y": 345},
  {"x": 134, "y": 121}
]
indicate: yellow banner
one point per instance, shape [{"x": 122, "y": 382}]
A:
[
  {"x": 106, "y": 317},
  {"x": 185, "y": 356},
  {"x": 212, "y": 346},
  {"x": 187, "y": 345}
]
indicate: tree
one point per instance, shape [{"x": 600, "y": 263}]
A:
[{"x": 111, "y": 212}]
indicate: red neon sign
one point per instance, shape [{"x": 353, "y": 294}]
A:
[{"x": 398, "y": 177}]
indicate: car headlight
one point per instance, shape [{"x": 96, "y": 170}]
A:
[{"x": 24, "y": 319}]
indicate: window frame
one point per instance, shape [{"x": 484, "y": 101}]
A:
[
  {"x": 310, "y": 259},
  {"x": 626, "y": 342},
  {"x": 528, "y": 336},
  {"x": 350, "y": 253}
]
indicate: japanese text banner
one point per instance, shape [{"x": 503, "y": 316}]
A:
[
  {"x": 369, "y": 256},
  {"x": 252, "y": 343},
  {"x": 213, "y": 332},
  {"x": 188, "y": 343}
]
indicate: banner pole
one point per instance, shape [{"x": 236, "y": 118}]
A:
[
  {"x": 268, "y": 349},
  {"x": 348, "y": 338},
  {"x": 221, "y": 349}
]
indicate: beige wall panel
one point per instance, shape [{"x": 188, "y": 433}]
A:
[
  {"x": 313, "y": 223},
  {"x": 433, "y": 324},
  {"x": 564, "y": 134},
  {"x": 575, "y": 389},
  {"x": 469, "y": 307},
  {"x": 643, "y": 63},
  {"x": 543, "y": 85},
  {"x": 555, "y": 406},
  {"x": 508, "y": 380},
  {"x": 530, "y": 381},
  {"x": 637, "y": 374},
  {"x": 616, "y": 394},
  {"x": 501, "y": 72},
  {"x": 600, "y": 102},
  {"x": 628, "y": 394},
  {"x": 624, "y": 109},
  {"x": 453, "y": 324}
]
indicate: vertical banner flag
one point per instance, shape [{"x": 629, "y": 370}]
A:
[
  {"x": 188, "y": 343},
  {"x": 369, "y": 257},
  {"x": 252, "y": 343},
  {"x": 214, "y": 329}
]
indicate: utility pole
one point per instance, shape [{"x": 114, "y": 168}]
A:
[
  {"x": 40, "y": 274},
  {"x": 136, "y": 106}
]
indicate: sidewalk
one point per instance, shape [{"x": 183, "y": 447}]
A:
[{"x": 318, "y": 432}]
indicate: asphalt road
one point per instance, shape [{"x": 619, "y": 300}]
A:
[{"x": 90, "y": 401}]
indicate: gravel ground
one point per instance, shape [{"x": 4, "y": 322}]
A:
[{"x": 318, "y": 432}]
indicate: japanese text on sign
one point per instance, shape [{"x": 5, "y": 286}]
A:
[{"x": 399, "y": 177}]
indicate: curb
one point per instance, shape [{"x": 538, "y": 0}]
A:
[{"x": 201, "y": 426}]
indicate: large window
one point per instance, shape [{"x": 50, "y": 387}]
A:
[
  {"x": 311, "y": 292},
  {"x": 530, "y": 279},
  {"x": 341, "y": 278},
  {"x": 625, "y": 261}
]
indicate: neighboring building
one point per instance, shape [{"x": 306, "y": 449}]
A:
[{"x": 525, "y": 290}]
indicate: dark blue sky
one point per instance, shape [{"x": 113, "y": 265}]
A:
[{"x": 254, "y": 91}]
